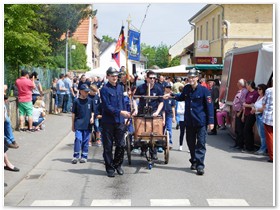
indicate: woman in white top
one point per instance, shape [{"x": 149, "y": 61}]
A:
[
  {"x": 181, "y": 114},
  {"x": 258, "y": 110},
  {"x": 38, "y": 114}
]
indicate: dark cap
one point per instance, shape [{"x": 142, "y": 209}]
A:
[
  {"x": 210, "y": 80},
  {"x": 193, "y": 72},
  {"x": 84, "y": 87},
  {"x": 112, "y": 71},
  {"x": 168, "y": 86}
]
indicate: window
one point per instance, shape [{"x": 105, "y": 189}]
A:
[
  {"x": 219, "y": 27},
  {"x": 201, "y": 32},
  {"x": 213, "y": 28},
  {"x": 207, "y": 30}
]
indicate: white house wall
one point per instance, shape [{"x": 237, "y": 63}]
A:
[{"x": 106, "y": 60}]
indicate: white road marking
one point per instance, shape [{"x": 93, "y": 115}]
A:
[
  {"x": 227, "y": 202},
  {"x": 169, "y": 202},
  {"x": 52, "y": 203},
  {"x": 111, "y": 202}
]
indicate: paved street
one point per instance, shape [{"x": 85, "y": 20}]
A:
[{"x": 47, "y": 177}]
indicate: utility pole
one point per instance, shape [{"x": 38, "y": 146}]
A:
[{"x": 66, "y": 53}]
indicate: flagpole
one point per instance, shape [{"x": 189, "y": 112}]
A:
[{"x": 126, "y": 54}]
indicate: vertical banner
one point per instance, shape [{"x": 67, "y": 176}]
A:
[{"x": 134, "y": 45}]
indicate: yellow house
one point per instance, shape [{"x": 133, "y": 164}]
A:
[{"x": 221, "y": 27}]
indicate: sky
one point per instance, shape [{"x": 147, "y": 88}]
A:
[{"x": 165, "y": 23}]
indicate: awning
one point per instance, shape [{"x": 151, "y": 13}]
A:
[{"x": 206, "y": 67}]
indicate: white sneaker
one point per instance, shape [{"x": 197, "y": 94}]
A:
[
  {"x": 181, "y": 148},
  {"x": 74, "y": 161},
  {"x": 83, "y": 160}
]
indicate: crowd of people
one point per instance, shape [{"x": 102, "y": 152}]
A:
[{"x": 102, "y": 111}]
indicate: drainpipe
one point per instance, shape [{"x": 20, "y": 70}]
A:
[{"x": 222, "y": 38}]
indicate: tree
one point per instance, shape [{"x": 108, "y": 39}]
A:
[
  {"x": 175, "y": 61},
  {"x": 106, "y": 38},
  {"x": 23, "y": 44}
]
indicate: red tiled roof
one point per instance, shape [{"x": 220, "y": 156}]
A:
[{"x": 81, "y": 34}]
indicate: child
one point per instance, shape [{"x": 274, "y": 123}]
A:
[
  {"x": 96, "y": 100},
  {"x": 169, "y": 108},
  {"x": 82, "y": 118}
]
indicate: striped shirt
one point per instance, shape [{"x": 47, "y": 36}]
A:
[{"x": 268, "y": 110}]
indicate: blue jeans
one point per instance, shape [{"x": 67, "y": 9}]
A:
[
  {"x": 260, "y": 127},
  {"x": 176, "y": 115},
  {"x": 196, "y": 140},
  {"x": 81, "y": 143},
  {"x": 8, "y": 131},
  {"x": 168, "y": 126}
]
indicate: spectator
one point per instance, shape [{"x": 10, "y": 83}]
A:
[
  {"x": 54, "y": 95},
  {"x": 8, "y": 131},
  {"x": 223, "y": 116},
  {"x": 7, "y": 164},
  {"x": 214, "y": 90},
  {"x": 268, "y": 120},
  {"x": 257, "y": 109},
  {"x": 248, "y": 118},
  {"x": 60, "y": 91},
  {"x": 25, "y": 86},
  {"x": 182, "y": 124},
  {"x": 38, "y": 115},
  {"x": 37, "y": 91},
  {"x": 175, "y": 90},
  {"x": 67, "y": 100},
  {"x": 238, "y": 109}
]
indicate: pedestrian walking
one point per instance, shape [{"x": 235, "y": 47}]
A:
[
  {"x": 82, "y": 118},
  {"x": 198, "y": 114},
  {"x": 113, "y": 127}
]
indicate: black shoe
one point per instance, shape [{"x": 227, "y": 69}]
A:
[
  {"x": 120, "y": 170},
  {"x": 111, "y": 173},
  {"x": 15, "y": 169},
  {"x": 177, "y": 127},
  {"x": 270, "y": 161},
  {"x": 212, "y": 133},
  {"x": 193, "y": 166},
  {"x": 200, "y": 171}
]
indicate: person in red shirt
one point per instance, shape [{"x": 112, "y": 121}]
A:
[{"x": 25, "y": 86}]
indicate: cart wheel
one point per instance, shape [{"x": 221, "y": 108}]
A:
[
  {"x": 128, "y": 148},
  {"x": 166, "y": 151}
]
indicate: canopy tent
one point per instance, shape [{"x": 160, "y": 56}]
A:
[
  {"x": 206, "y": 67},
  {"x": 173, "y": 69},
  {"x": 98, "y": 72}
]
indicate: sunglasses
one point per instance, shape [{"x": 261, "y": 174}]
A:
[{"x": 152, "y": 77}]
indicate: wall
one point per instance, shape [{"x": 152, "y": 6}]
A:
[{"x": 12, "y": 106}]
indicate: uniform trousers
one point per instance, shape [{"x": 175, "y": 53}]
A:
[
  {"x": 113, "y": 133},
  {"x": 196, "y": 140}
]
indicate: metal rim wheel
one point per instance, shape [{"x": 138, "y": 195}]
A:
[
  {"x": 166, "y": 151},
  {"x": 128, "y": 148}
]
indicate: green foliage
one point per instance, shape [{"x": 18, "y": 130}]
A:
[
  {"x": 106, "y": 38},
  {"x": 78, "y": 59},
  {"x": 23, "y": 44},
  {"x": 174, "y": 62},
  {"x": 156, "y": 55}
]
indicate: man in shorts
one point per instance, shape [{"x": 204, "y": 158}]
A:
[{"x": 25, "y": 106}]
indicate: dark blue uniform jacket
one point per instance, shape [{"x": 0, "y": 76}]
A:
[{"x": 199, "y": 109}]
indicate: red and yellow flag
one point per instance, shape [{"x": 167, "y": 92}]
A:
[{"x": 120, "y": 45}]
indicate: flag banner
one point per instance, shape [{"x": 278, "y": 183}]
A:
[
  {"x": 134, "y": 45},
  {"x": 119, "y": 46}
]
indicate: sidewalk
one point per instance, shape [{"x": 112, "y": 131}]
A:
[{"x": 33, "y": 147}]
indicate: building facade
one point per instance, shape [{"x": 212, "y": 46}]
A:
[{"x": 219, "y": 28}]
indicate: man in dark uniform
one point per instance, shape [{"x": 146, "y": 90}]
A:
[
  {"x": 214, "y": 90},
  {"x": 198, "y": 114},
  {"x": 113, "y": 114},
  {"x": 155, "y": 104}
]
